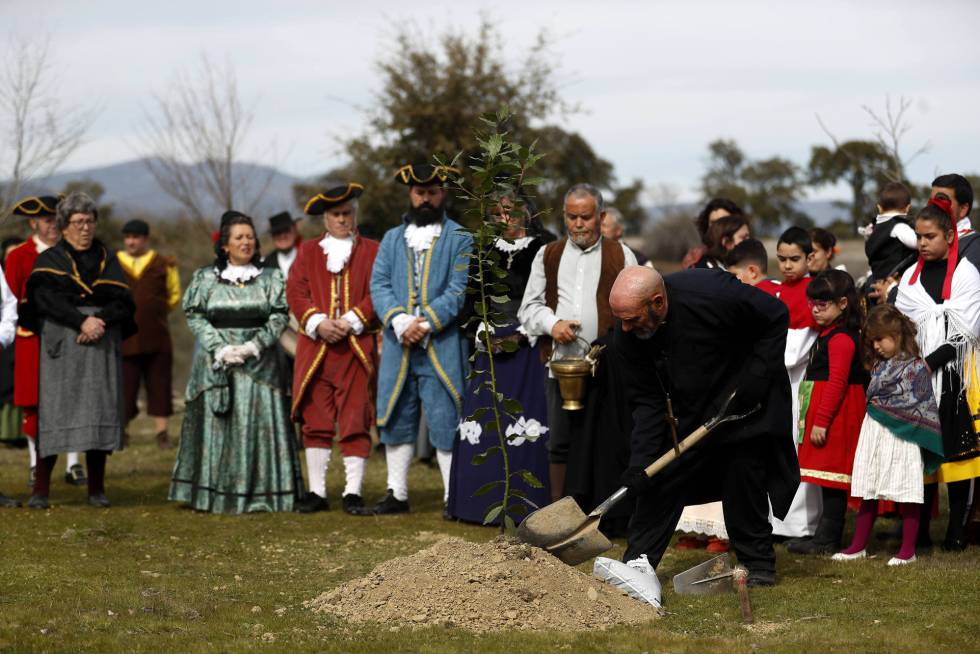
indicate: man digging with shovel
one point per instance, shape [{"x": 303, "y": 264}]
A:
[{"x": 684, "y": 343}]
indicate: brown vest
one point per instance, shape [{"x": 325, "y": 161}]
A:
[
  {"x": 150, "y": 295},
  {"x": 613, "y": 261}
]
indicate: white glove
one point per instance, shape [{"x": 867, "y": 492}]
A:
[
  {"x": 249, "y": 351},
  {"x": 228, "y": 355}
]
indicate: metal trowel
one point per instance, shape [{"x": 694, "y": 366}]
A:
[{"x": 716, "y": 576}]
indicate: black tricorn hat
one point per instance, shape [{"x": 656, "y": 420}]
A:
[
  {"x": 36, "y": 206},
  {"x": 281, "y": 222},
  {"x": 332, "y": 197},
  {"x": 424, "y": 174},
  {"x": 136, "y": 227}
]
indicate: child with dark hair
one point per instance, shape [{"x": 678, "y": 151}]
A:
[
  {"x": 793, "y": 250},
  {"x": 900, "y": 435},
  {"x": 958, "y": 190},
  {"x": 833, "y": 405},
  {"x": 715, "y": 209},
  {"x": 824, "y": 250},
  {"x": 748, "y": 261},
  {"x": 941, "y": 295},
  {"x": 891, "y": 244},
  {"x": 723, "y": 235}
]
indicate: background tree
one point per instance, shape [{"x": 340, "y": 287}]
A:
[
  {"x": 770, "y": 190},
  {"x": 39, "y": 131},
  {"x": 433, "y": 91},
  {"x": 194, "y": 139},
  {"x": 863, "y": 165}
]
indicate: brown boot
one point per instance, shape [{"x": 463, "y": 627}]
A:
[
  {"x": 556, "y": 474},
  {"x": 163, "y": 440}
]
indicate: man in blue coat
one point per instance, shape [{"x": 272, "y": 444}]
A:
[{"x": 418, "y": 288}]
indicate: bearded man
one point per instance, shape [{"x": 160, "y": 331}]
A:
[{"x": 418, "y": 287}]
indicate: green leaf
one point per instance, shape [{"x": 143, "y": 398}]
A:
[
  {"x": 513, "y": 406},
  {"x": 500, "y": 299},
  {"x": 486, "y": 488},
  {"x": 493, "y": 512},
  {"x": 518, "y": 493},
  {"x": 530, "y": 479},
  {"x": 509, "y": 346},
  {"x": 509, "y": 523},
  {"x": 481, "y": 458},
  {"x": 477, "y": 414},
  {"x": 517, "y": 508}
]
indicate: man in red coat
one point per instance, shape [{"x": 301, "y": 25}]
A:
[
  {"x": 328, "y": 291},
  {"x": 39, "y": 212}
]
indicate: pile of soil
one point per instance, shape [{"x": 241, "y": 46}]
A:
[{"x": 502, "y": 584}]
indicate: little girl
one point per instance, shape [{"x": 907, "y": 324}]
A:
[
  {"x": 900, "y": 435},
  {"x": 833, "y": 391}
]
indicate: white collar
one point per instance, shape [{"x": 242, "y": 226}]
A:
[
  {"x": 516, "y": 246},
  {"x": 882, "y": 217},
  {"x": 39, "y": 245},
  {"x": 420, "y": 238},
  {"x": 964, "y": 225},
  {"x": 588, "y": 249},
  {"x": 240, "y": 274},
  {"x": 337, "y": 251}
]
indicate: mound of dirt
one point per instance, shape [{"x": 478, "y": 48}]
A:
[{"x": 502, "y": 584}]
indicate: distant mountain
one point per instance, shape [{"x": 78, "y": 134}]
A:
[
  {"x": 131, "y": 188},
  {"x": 823, "y": 212}
]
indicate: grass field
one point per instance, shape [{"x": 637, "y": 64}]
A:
[{"x": 151, "y": 576}]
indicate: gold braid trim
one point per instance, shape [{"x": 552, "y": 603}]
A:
[
  {"x": 360, "y": 355},
  {"x": 392, "y": 312},
  {"x": 111, "y": 281},
  {"x": 445, "y": 377},
  {"x": 360, "y": 314},
  {"x": 306, "y": 315},
  {"x": 826, "y": 476},
  {"x": 24, "y": 333},
  {"x": 298, "y": 397},
  {"x": 399, "y": 381}
]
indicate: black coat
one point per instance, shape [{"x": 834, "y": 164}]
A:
[{"x": 719, "y": 334}]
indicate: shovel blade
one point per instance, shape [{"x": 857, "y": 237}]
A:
[
  {"x": 582, "y": 544},
  {"x": 551, "y": 524},
  {"x": 684, "y": 582}
]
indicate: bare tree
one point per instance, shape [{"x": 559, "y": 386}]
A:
[
  {"x": 889, "y": 131},
  {"x": 39, "y": 131},
  {"x": 194, "y": 136}
]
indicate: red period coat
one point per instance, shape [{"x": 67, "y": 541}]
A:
[
  {"x": 17, "y": 268},
  {"x": 312, "y": 289}
]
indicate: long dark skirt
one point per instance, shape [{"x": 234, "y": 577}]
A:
[{"x": 520, "y": 376}]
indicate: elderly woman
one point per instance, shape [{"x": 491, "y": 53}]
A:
[
  {"x": 237, "y": 449},
  {"x": 78, "y": 301}
]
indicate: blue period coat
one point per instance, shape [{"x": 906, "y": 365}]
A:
[{"x": 440, "y": 298}]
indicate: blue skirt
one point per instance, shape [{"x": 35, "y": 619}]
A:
[{"x": 520, "y": 376}]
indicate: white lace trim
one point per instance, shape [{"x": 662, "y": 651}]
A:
[
  {"x": 337, "y": 251},
  {"x": 516, "y": 246},
  {"x": 240, "y": 274},
  {"x": 420, "y": 238}
]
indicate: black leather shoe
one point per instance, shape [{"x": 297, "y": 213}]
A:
[
  {"x": 390, "y": 505},
  {"x": 354, "y": 505},
  {"x": 99, "y": 501},
  {"x": 761, "y": 579},
  {"x": 812, "y": 546},
  {"x": 954, "y": 545},
  {"x": 312, "y": 503},
  {"x": 76, "y": 475},
  {"x": 8, "y": 502},
  {"x": 38, "y": 502}
]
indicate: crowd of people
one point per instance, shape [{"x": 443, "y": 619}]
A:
[{"x": 860, "y": 393}]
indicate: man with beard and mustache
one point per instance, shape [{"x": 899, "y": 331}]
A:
[
  {"x": 417, "y": 286},
  {"x": 566, "y": 301},
  {"x": 683, "y": 343}
]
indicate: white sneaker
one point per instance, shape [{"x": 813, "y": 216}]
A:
[
  {"x": 841, "y": 556},
  {"x": 897, "y": 561},
  {"x": 642, "y": 564}
]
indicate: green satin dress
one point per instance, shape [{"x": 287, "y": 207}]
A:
[{"x": 237, "y": 445}]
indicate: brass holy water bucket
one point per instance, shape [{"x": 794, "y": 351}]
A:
[{"x": 572, "y": 372}]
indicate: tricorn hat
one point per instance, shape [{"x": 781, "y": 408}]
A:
[
  {"x": 332, "y": 197},
  {"x": 281, "y": 222},
  {"x": 136, "y": 227},
  {"x": 424, "y": 174},
  {"x": 36, "y": 206}
]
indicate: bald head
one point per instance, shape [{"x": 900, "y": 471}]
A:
[{"x": 639, "y": 299}]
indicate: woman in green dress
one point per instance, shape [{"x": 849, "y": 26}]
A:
[{"x": 237, "y": 448}]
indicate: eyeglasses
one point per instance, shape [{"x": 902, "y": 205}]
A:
[
  {"x": 82, "y": 224},
  {"x": 820, "y": 305}
]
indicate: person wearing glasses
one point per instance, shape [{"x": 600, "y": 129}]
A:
[{"x": 80, "y": 305}]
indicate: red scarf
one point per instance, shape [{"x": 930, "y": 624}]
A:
[{"x": 945, "y": 205}]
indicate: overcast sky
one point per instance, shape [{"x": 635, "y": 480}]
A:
[{"x": 658, "y": 80}]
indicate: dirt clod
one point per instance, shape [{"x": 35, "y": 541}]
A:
[{"x": 502, "y": 584}]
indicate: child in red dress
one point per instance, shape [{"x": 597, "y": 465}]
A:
[{"x": 836, "y": 405}]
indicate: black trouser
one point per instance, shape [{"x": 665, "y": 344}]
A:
[{"x": 740, "y": 470}]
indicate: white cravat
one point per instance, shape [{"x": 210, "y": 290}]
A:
[
  {"x": 337, "y": 251},
  {"x": 240, "y": 274}
]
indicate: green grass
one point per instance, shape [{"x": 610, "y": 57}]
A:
[{"x": 149, "y": 576}]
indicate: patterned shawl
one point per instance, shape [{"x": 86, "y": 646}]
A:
[{"x": 900, "y": 398}]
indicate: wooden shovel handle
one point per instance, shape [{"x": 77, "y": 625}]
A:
[{"x": 686, "y": 444}]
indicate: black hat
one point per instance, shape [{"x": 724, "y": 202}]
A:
[
  {"x": 36, "y": 206},
  {"x": 332, "y": 197},
  {"x": 136, "y": 228},
  {"x": 424, "y": 174},
  {"x": 281, "y": 222}
]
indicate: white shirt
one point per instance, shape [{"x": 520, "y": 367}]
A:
[
  {"x": 900, "y": 230},
  {"x": 578, "y": 281},
  {"x": 8, "y": 315},
  {"x": 285, "y": 261},
  {"x": 964, "y": 225}
]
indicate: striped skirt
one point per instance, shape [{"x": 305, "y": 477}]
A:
[{"x": 885, "y": 466}]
